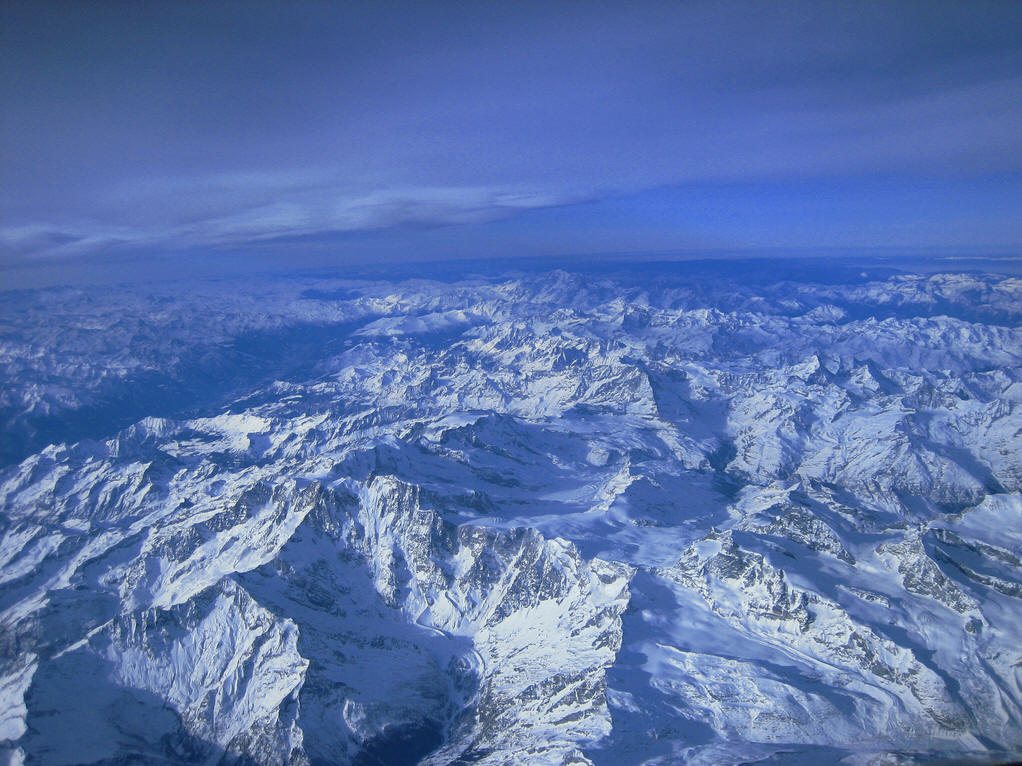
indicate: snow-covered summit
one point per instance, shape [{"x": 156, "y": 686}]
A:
[{"x": 550, "y": 518}]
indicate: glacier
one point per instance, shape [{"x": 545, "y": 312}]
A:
[{"x": 674, "y": 513}]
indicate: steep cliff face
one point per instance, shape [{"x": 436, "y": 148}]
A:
[
  {"x": 327, "y": 624},
  {"x": 553, "y": 519},
  {"x": 509, "y": 634},
  {"x": 543, "y": 624}
]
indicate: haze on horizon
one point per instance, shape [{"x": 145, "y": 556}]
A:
[{"x": 332, "y": 133}]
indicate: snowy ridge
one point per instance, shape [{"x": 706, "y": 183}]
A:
[{"x": 552, "y": 519}]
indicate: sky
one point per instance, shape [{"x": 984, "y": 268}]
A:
[{"x": 346, "y": 132}]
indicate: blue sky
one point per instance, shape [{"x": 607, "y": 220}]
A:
[{"x": 347, "y": 131}]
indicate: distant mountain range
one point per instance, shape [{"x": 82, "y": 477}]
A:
[{"x": 643, "y": 514}]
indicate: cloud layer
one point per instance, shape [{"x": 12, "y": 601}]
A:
[{"x": 210, "y": 125}]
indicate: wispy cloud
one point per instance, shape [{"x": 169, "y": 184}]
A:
[
  {"x": 235, "y": 210},
  {"x": 167, "y": 129}
]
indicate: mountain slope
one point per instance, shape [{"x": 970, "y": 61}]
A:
[{"x": 553, "y": 518}]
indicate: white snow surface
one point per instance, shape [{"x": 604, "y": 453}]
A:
[{"x": 552, "y": 518}]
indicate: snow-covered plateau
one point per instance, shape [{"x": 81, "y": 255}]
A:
[{"x": 655, "y": 515}]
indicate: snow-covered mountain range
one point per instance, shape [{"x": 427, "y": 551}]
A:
[{"x": 647, "y": 516}]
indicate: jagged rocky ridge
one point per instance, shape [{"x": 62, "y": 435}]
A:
[{"x": 554, "y": 518}]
